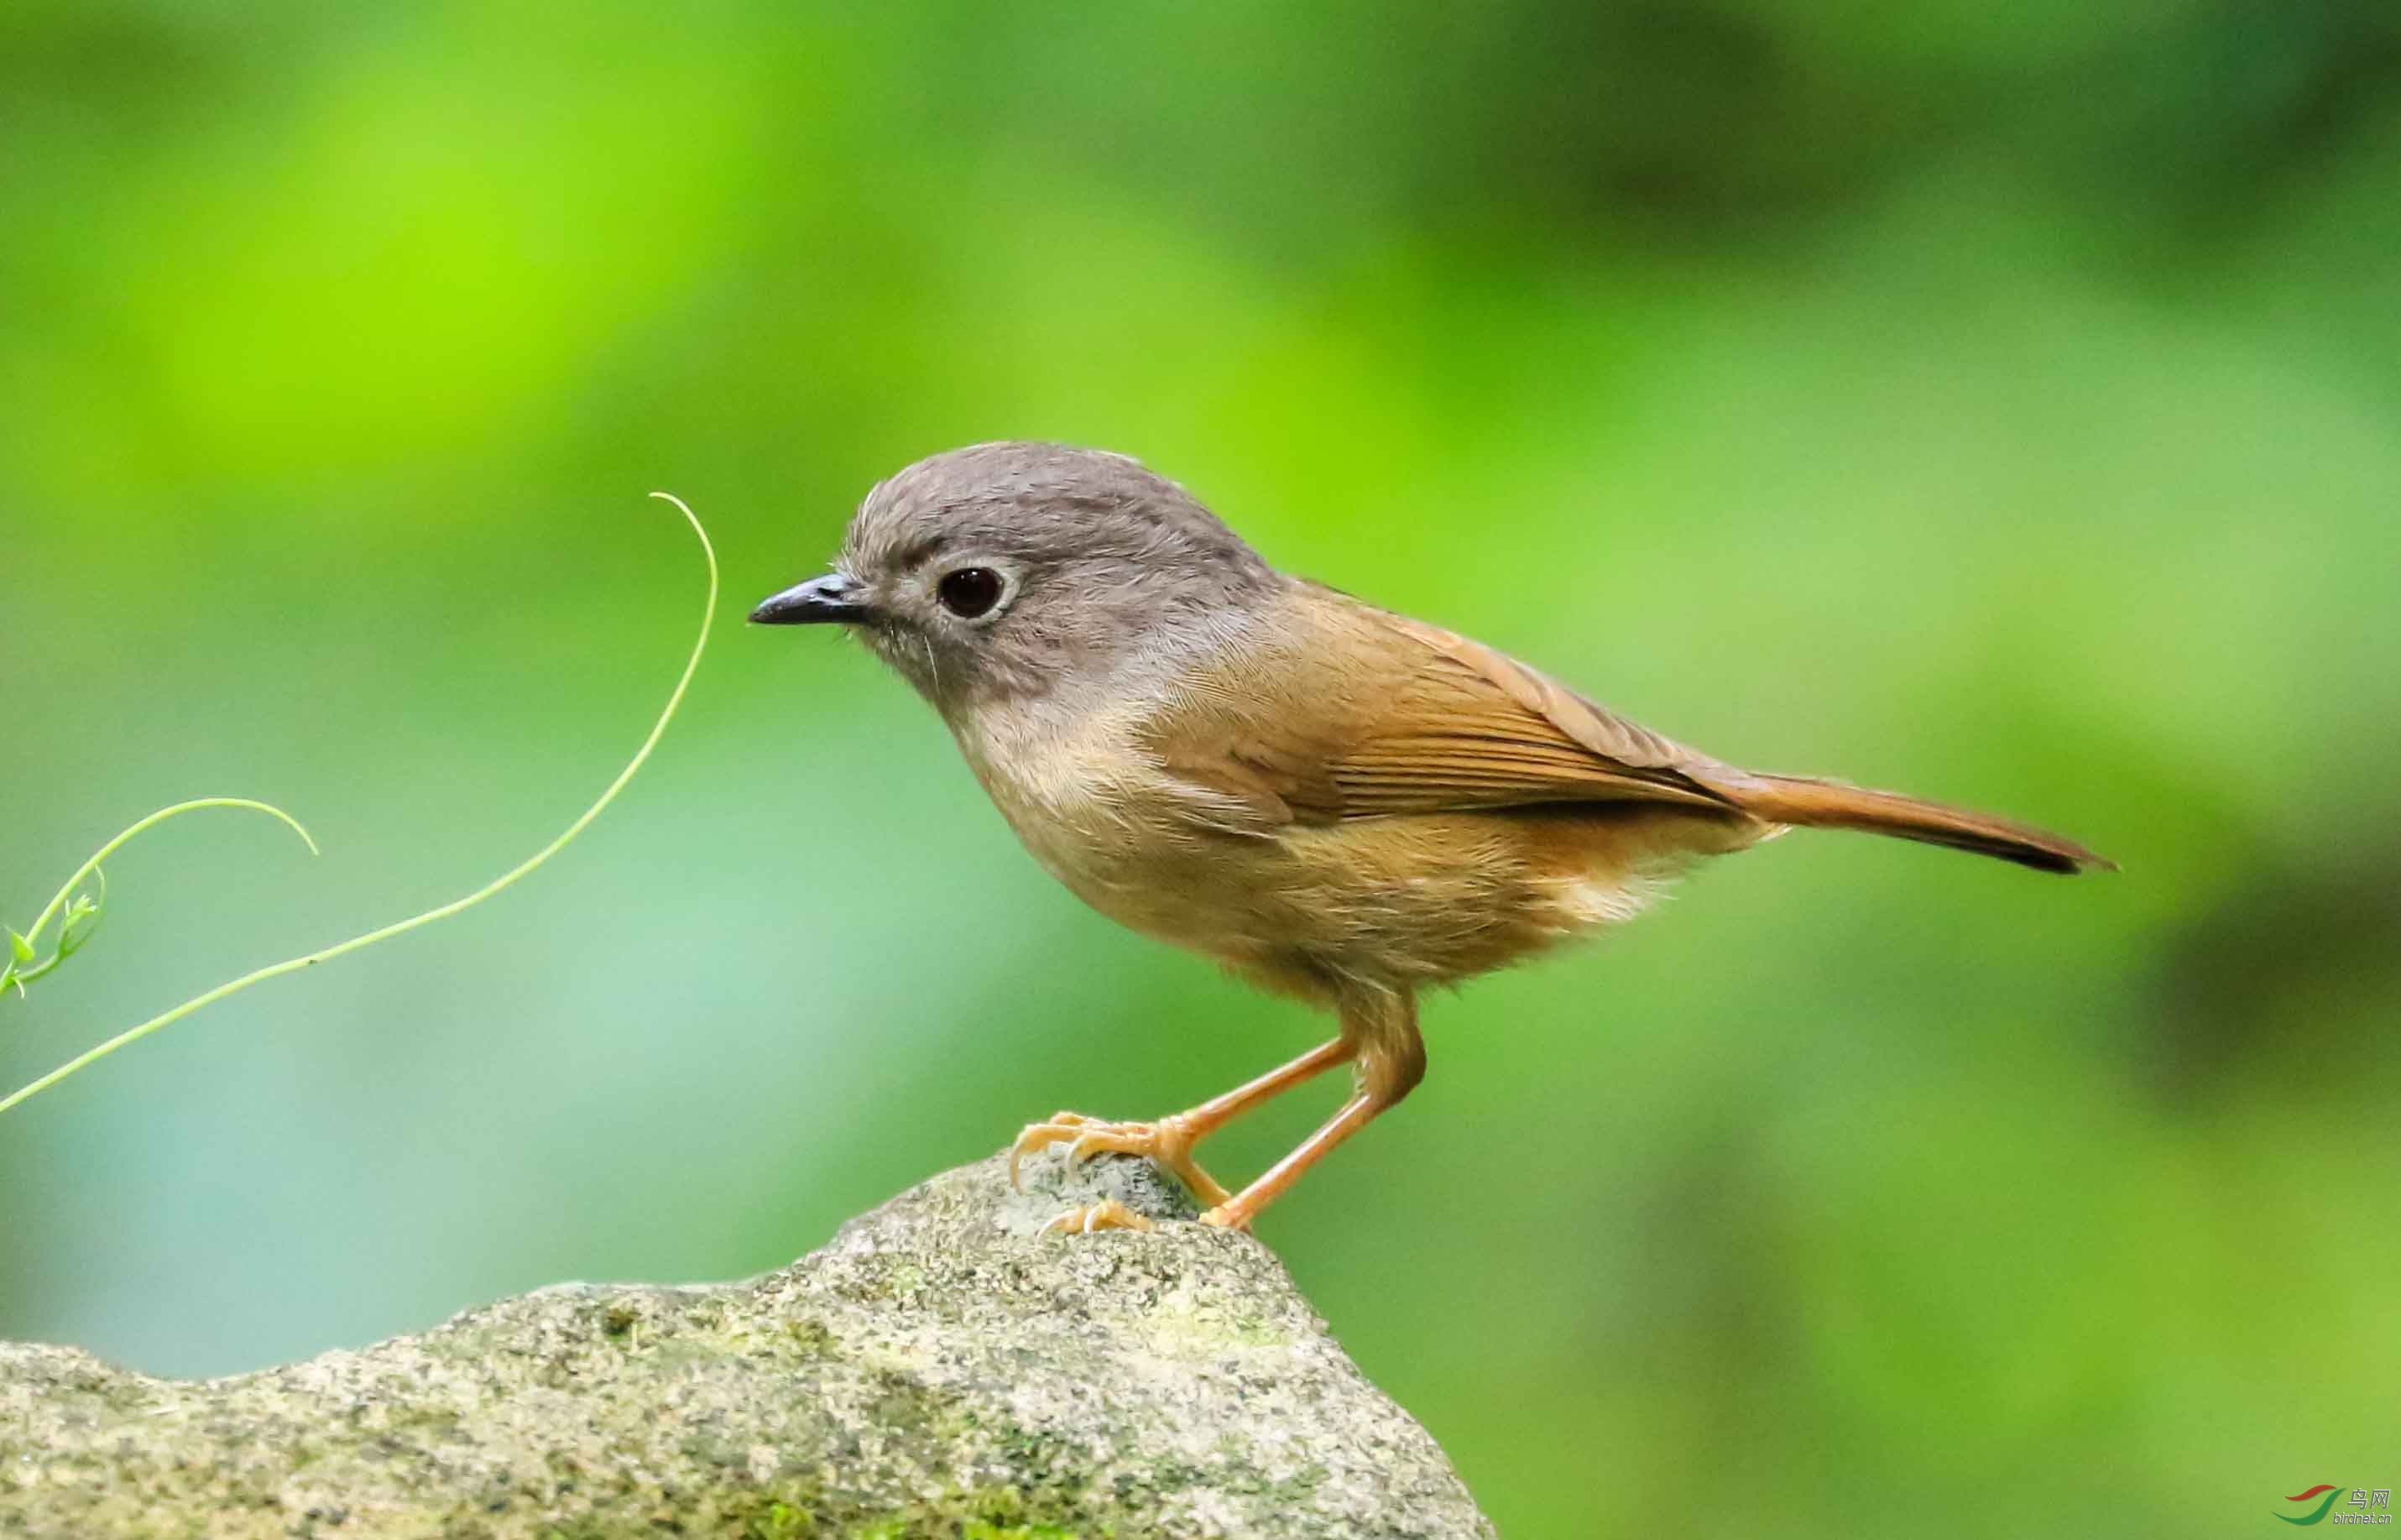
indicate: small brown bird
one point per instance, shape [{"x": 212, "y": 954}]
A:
[{"x": 1336, "y": 802}]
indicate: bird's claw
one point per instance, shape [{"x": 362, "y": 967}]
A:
[
  {"x": 1057, "y": 1127},
  {"x": 1108, "y": 1213},
  {"x": 1166, "y": 1144},
  {"x": 1085, "y": 1138}
]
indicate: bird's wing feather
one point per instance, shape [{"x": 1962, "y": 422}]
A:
[{"x": 1355, "y": 712}]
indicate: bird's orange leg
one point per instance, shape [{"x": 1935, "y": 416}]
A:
[
  {"x": 1170, "y": 1140},
  {"x": 1380, "y": 1029},
  {"x": 1235, "y": 1212},
  {"x": 1392, "y": 1061}
]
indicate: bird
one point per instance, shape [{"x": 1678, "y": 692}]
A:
[{"x": 1337, "y": 803}]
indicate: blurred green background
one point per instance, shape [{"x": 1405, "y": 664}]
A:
[{"x": 1999, "y": 403}]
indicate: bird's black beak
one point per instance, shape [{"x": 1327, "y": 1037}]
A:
[{"x": 832, "y": 597}]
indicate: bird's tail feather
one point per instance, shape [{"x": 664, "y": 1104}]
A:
[{"x": 1829, "y": 805}]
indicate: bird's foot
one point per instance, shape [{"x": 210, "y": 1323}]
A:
[
  {"x": 1167, "y": 1143},
  {"x": 1109, "y": 1214},
  {"x": 1227, "y": 1215}
]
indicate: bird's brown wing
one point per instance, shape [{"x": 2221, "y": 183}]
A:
[{"x": 1353, "y": 712}]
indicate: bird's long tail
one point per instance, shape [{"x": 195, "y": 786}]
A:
[{"x": 1829, "y": 805}]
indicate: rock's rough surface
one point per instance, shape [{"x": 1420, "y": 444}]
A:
[{"x": 939, "y": 1368}]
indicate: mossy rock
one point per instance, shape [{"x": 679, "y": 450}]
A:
[{"x": 941, "y": 1368}]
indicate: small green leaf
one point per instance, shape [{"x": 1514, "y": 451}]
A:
[
  {"x": 21, "y": 947},
  {"x": 82, "y": 917}
]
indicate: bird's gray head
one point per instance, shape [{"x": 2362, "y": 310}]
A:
[{"x": 1008, "y": 571}]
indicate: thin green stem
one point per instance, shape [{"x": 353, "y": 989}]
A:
[
  {"x": 67, "y": 891},
  {"x": 292, "y": 964}
]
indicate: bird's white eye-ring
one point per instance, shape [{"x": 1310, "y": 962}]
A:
[{"x": 969, "y": 592}]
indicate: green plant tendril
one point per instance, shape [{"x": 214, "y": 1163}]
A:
[
  {"x": 78, "y": 914},
  {"x": 292, "y": 964}
]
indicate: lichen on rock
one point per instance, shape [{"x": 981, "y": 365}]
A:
[{"x": 940, "y": 1369}]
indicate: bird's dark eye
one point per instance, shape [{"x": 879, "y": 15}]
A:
[{"x": 969, "y": 592}]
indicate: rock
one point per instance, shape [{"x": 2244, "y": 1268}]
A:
[{"x": 940, "y": 1369}]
